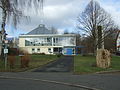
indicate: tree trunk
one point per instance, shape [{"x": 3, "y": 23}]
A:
[
  {"x": 99, "y": 37},
  {"x": 4, "y": 16},
  {"x": 3, "y": 34}
]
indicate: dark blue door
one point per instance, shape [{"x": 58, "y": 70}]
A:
[{"x": 69, "y": 51}]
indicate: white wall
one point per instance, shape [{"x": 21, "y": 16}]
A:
[
  {"x": 118, "y": 42},
  {"x": 42, "y": 49}
]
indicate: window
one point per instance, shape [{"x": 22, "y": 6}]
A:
[
  {"x": 49, "y": 50},
  {"x": 38, "y": 50},
  {"x": 33, "y": 50},
  {"x": 56, "y": 40},
  {"x": 48, "y": 39}
]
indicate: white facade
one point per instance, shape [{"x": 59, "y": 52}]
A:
[
  {"x": 118, "y": 42},
  {"x": 46, "y": 43}
]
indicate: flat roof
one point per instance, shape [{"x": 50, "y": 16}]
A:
[{"x": 49, "y": 35}]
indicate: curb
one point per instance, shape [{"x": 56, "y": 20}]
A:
[
  {"x": 105, "y": 72},
  {"x": 49, "y": 81}
]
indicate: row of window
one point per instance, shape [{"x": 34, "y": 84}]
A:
[
  {"x": 57, "y": 41},
  {"x": 72, "y": 51},
  {"x": 37, "y": 50}
]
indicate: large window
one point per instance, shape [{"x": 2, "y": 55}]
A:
[
  {"x": 57, "y": 50},
  {"x": 64, "y": 41},
  {"x": 42, "y": 41},
  {"x": 49, "y": 41}
]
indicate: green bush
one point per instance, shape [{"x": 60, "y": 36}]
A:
[{"x": 59, "y": 55}]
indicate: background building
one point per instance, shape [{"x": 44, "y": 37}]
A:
[
  {"x": 42, "y": 40},
  {"x": 118, "y": 42}
]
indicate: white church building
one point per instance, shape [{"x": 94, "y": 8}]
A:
[{"x": 42, "y": 40}]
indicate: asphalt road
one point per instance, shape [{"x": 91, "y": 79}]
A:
[
  {"x": 64, "y": 64},
  {"x": 99, "y": 81},
  {"x": 13, "y": 84}
]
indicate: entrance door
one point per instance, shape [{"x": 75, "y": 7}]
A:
[{"x": 69, "y": 51}]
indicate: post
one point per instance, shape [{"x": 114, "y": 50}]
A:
[
  {"x": 99, "y": 37},
  {"x": 100, "y": 42},
  {"x": 5, "y": 53},
  {"x": 52, "y": 41},
  {"x": 5, "y": 61}
]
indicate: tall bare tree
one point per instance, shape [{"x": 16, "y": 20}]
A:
[
  {"x": 54, "y": 30},
  {"x": 92, "y": 17},
  {"x": 12, "y": 10}
]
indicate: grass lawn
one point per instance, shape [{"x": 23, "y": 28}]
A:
[
  {"x": 36, "y": 61},
  {"x": 86, "y": 64}
]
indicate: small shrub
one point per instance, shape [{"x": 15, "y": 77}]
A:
[
  {"x": 59, "y": 55},
  {"x": 25, "y": 59},
  {"x": 11, "y": 60}
]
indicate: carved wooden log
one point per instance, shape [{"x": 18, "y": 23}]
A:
[{"x": 103, "y": 58}]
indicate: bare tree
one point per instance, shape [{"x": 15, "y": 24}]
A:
[
  {"x": 92, "y": 17},
  {"x": 54, "y": 30},
  {"x": 12, "y": 10}
]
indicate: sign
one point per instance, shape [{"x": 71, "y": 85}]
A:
[
  {"x": 6, "y": 41},
  {"x": 5, "y": 51}
]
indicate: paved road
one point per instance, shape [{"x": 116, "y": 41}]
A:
[
  {"x": 100, "y": 81},
  {"x": 14, "y": 84},
  {"x": 64, "y": 64}
]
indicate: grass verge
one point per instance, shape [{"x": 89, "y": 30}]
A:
[
  {"x": 86, "y": 64},
  {"x": 36, "y": 61}
]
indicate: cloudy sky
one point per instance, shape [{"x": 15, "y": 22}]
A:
[{"x": 62, "y": 14}]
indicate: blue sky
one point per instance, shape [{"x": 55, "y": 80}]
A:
[{"x": 62, "y": 15}]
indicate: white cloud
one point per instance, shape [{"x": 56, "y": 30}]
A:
[
  {"x": 62, "y": 14},
  {"x": 113, "y": 8}
]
